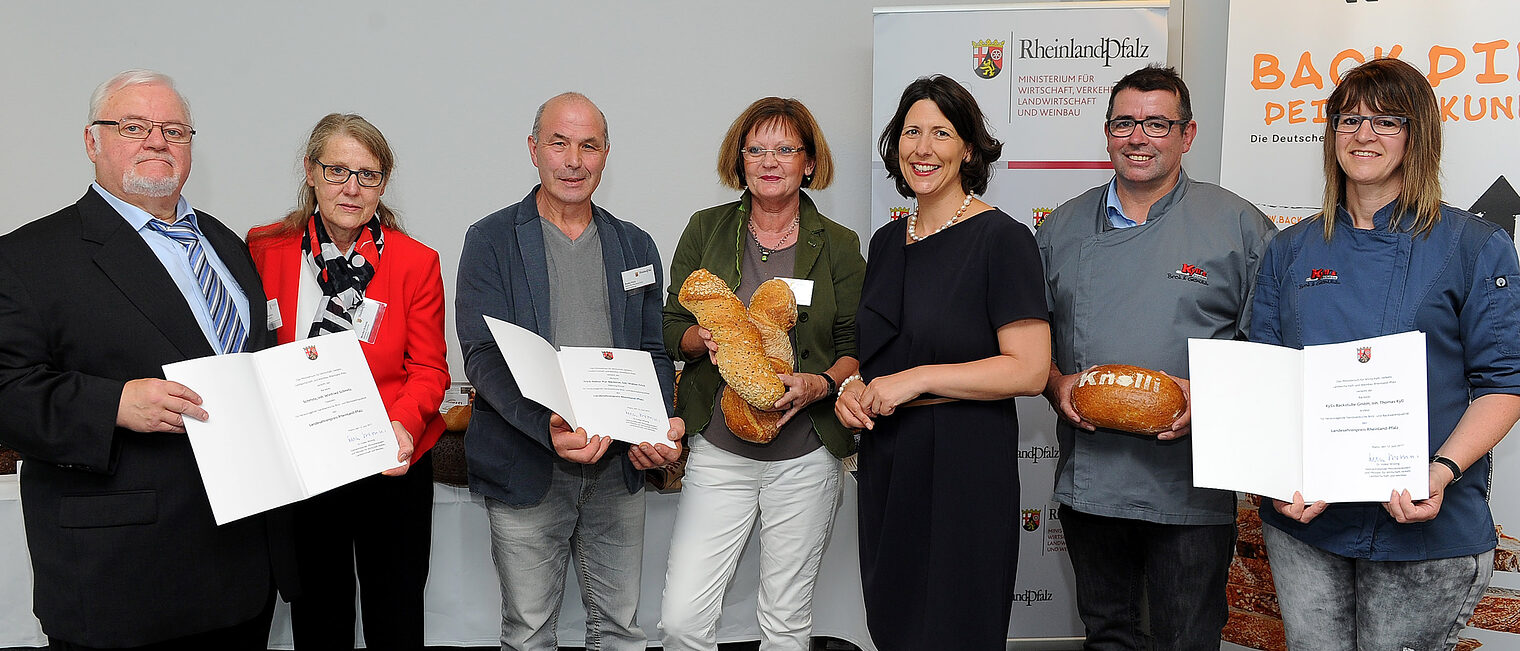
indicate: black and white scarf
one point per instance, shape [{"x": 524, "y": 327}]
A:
[{"x": 341, "y": 277}]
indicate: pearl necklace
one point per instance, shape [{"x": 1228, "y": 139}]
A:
[
  {"x": 913, "y": 219},
  {"x": 765, "y": 252}
]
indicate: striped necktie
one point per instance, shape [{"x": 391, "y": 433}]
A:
[{"x": 224, "y": 316}]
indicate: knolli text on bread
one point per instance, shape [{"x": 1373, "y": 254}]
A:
[{"x": 1129, "y": 398}]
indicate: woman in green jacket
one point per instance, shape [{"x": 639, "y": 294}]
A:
[{"x": 772, "y": 151}]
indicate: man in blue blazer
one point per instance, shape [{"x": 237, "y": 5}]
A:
[
  {"x": 94, "y": 300},
  {"x": 561, "y": 266}
]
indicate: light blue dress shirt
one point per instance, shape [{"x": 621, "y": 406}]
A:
[
  {"x": 177, "y": 263},
  {"x": 1116, "y": 217}
]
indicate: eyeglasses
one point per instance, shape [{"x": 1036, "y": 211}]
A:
[
  {"x": 1153, "y": 127},
  {"x": 782, "y": 153},
  {"x": 1383, "y": 125},
  {"x": 138, "y": 129},
  {"x": 338, "y": 174}
]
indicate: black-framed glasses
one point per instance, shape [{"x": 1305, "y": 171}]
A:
[
  {"x": 1383, "y": 125},
  {"x": 782, "y": 153},
  {"x": 1153, "y": 127},
  {"x": 338, "y": 175},
  {"x": 138, "y": 129}
]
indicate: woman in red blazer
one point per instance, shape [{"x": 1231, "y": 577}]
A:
[{"x": 341, "y": 262}]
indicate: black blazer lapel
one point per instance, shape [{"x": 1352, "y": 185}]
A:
[{"x": 136, "y": 271}]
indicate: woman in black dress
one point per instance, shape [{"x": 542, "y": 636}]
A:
[{"x": 952, "y": 326}]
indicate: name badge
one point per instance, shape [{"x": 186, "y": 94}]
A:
[
  {"x": 802, "y": 289},
  {"x": 367, "y": 318},
  {"x": 636, "y": 278},
  {"x": 272, "y": 314}
]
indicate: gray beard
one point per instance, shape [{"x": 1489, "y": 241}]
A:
[{"x": 134, "y": 184}]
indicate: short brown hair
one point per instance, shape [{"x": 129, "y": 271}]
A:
[
  {"x": 787, "y": 112},
  {"x": 1390, "y": 87},
  {"x": 960, "y": 107}
]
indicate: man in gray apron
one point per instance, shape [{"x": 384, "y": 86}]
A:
[{"x": 1133, "y": 268}]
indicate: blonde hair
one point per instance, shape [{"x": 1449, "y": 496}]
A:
[{"x": 330, "y": 126}]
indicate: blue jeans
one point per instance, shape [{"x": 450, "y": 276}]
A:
[
  {"x": 1331, "y": 602},
  {"x": 587, "y": 513},
  {"x": 1179, "y": 570}
]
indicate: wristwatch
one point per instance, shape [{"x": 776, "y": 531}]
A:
[
  {"x": 832, "y": 387},
  {"x": 1456, "y": 472}
]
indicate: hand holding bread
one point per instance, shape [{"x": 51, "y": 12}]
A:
[{"x": 753, "y": 348}]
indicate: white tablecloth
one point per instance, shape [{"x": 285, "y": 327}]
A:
[{"x": 464, "y": 601}]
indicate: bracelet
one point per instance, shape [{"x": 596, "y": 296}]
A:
[
  {"x": 1456, "y": 472},
  {"x": 847, "y": 381},
  {"x": 832, "y": 387}
]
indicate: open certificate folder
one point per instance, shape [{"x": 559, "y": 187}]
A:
[
  {"x": 609, "y": 391},
  {"x": 1339, "y": 422},
  {"x": 286, "y": 423}
]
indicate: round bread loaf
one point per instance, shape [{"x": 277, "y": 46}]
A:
[{"x": 1128, "y": 398}]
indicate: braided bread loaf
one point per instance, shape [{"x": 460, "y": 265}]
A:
[
  {"x": 741, "y": 352},
  {"x": 773, "y": 310}
]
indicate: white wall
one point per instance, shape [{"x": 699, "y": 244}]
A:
[{"x": 454, "y": 85}]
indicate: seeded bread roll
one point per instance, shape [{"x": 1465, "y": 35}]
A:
[
  {"x": 741, "y": 352},
  {"x": 1128, "y": 398},
  {"x": 773, "y": 310}
]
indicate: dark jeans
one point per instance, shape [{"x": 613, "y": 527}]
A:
[
  {"x": 252, "y": 635},
  {"x": 1180, "y": 569},
  {"x": 379, "y": 528}
]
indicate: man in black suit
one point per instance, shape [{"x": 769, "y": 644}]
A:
[{"x": 94, "y": 299}]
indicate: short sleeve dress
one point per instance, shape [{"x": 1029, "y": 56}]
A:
[{"x": 939, "y": 486}]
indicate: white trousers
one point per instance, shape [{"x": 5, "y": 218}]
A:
[{"x": 721, "y": 496}]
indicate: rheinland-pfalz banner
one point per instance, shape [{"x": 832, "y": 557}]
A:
[
  {"x": 1041, "y": 73},
  {"x": 1284, "y": 58}
]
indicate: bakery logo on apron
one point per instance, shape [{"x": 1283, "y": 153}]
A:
[
  {"x": 987, "y": 58},
  {"x": 1322, "y": 277},
  {"x": 1190, "y": 273},
  {"x": 1031, "y": 518},
  {"x": 1364, "y": 354},
  {"x": 311, "y": 352}
]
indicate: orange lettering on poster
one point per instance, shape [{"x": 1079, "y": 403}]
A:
[
  {"x": 1437, "y": 74},
  {"x": 1275, "y": 112},
  {"x": 1342, "y": 57},
  {"x": 1296, "y": 112},
  {"x": 1449, "y": 108},
  {"x": 1305, "y": 74},
  {"x": 1489, "y": 50},
  {"x": 1267, "y": 74}
]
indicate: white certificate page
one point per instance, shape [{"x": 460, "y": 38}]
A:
[
  {"x": 285, "y": 423},
  {"x": 616, "y": 393},
  {"x": 330, "y": 410},
  {"x": 1337, "y": 422},
  {"x": 608, "y": 391},
  {"x": 1365, "y": 419},
  {"x": 1248, "y": 417}
]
